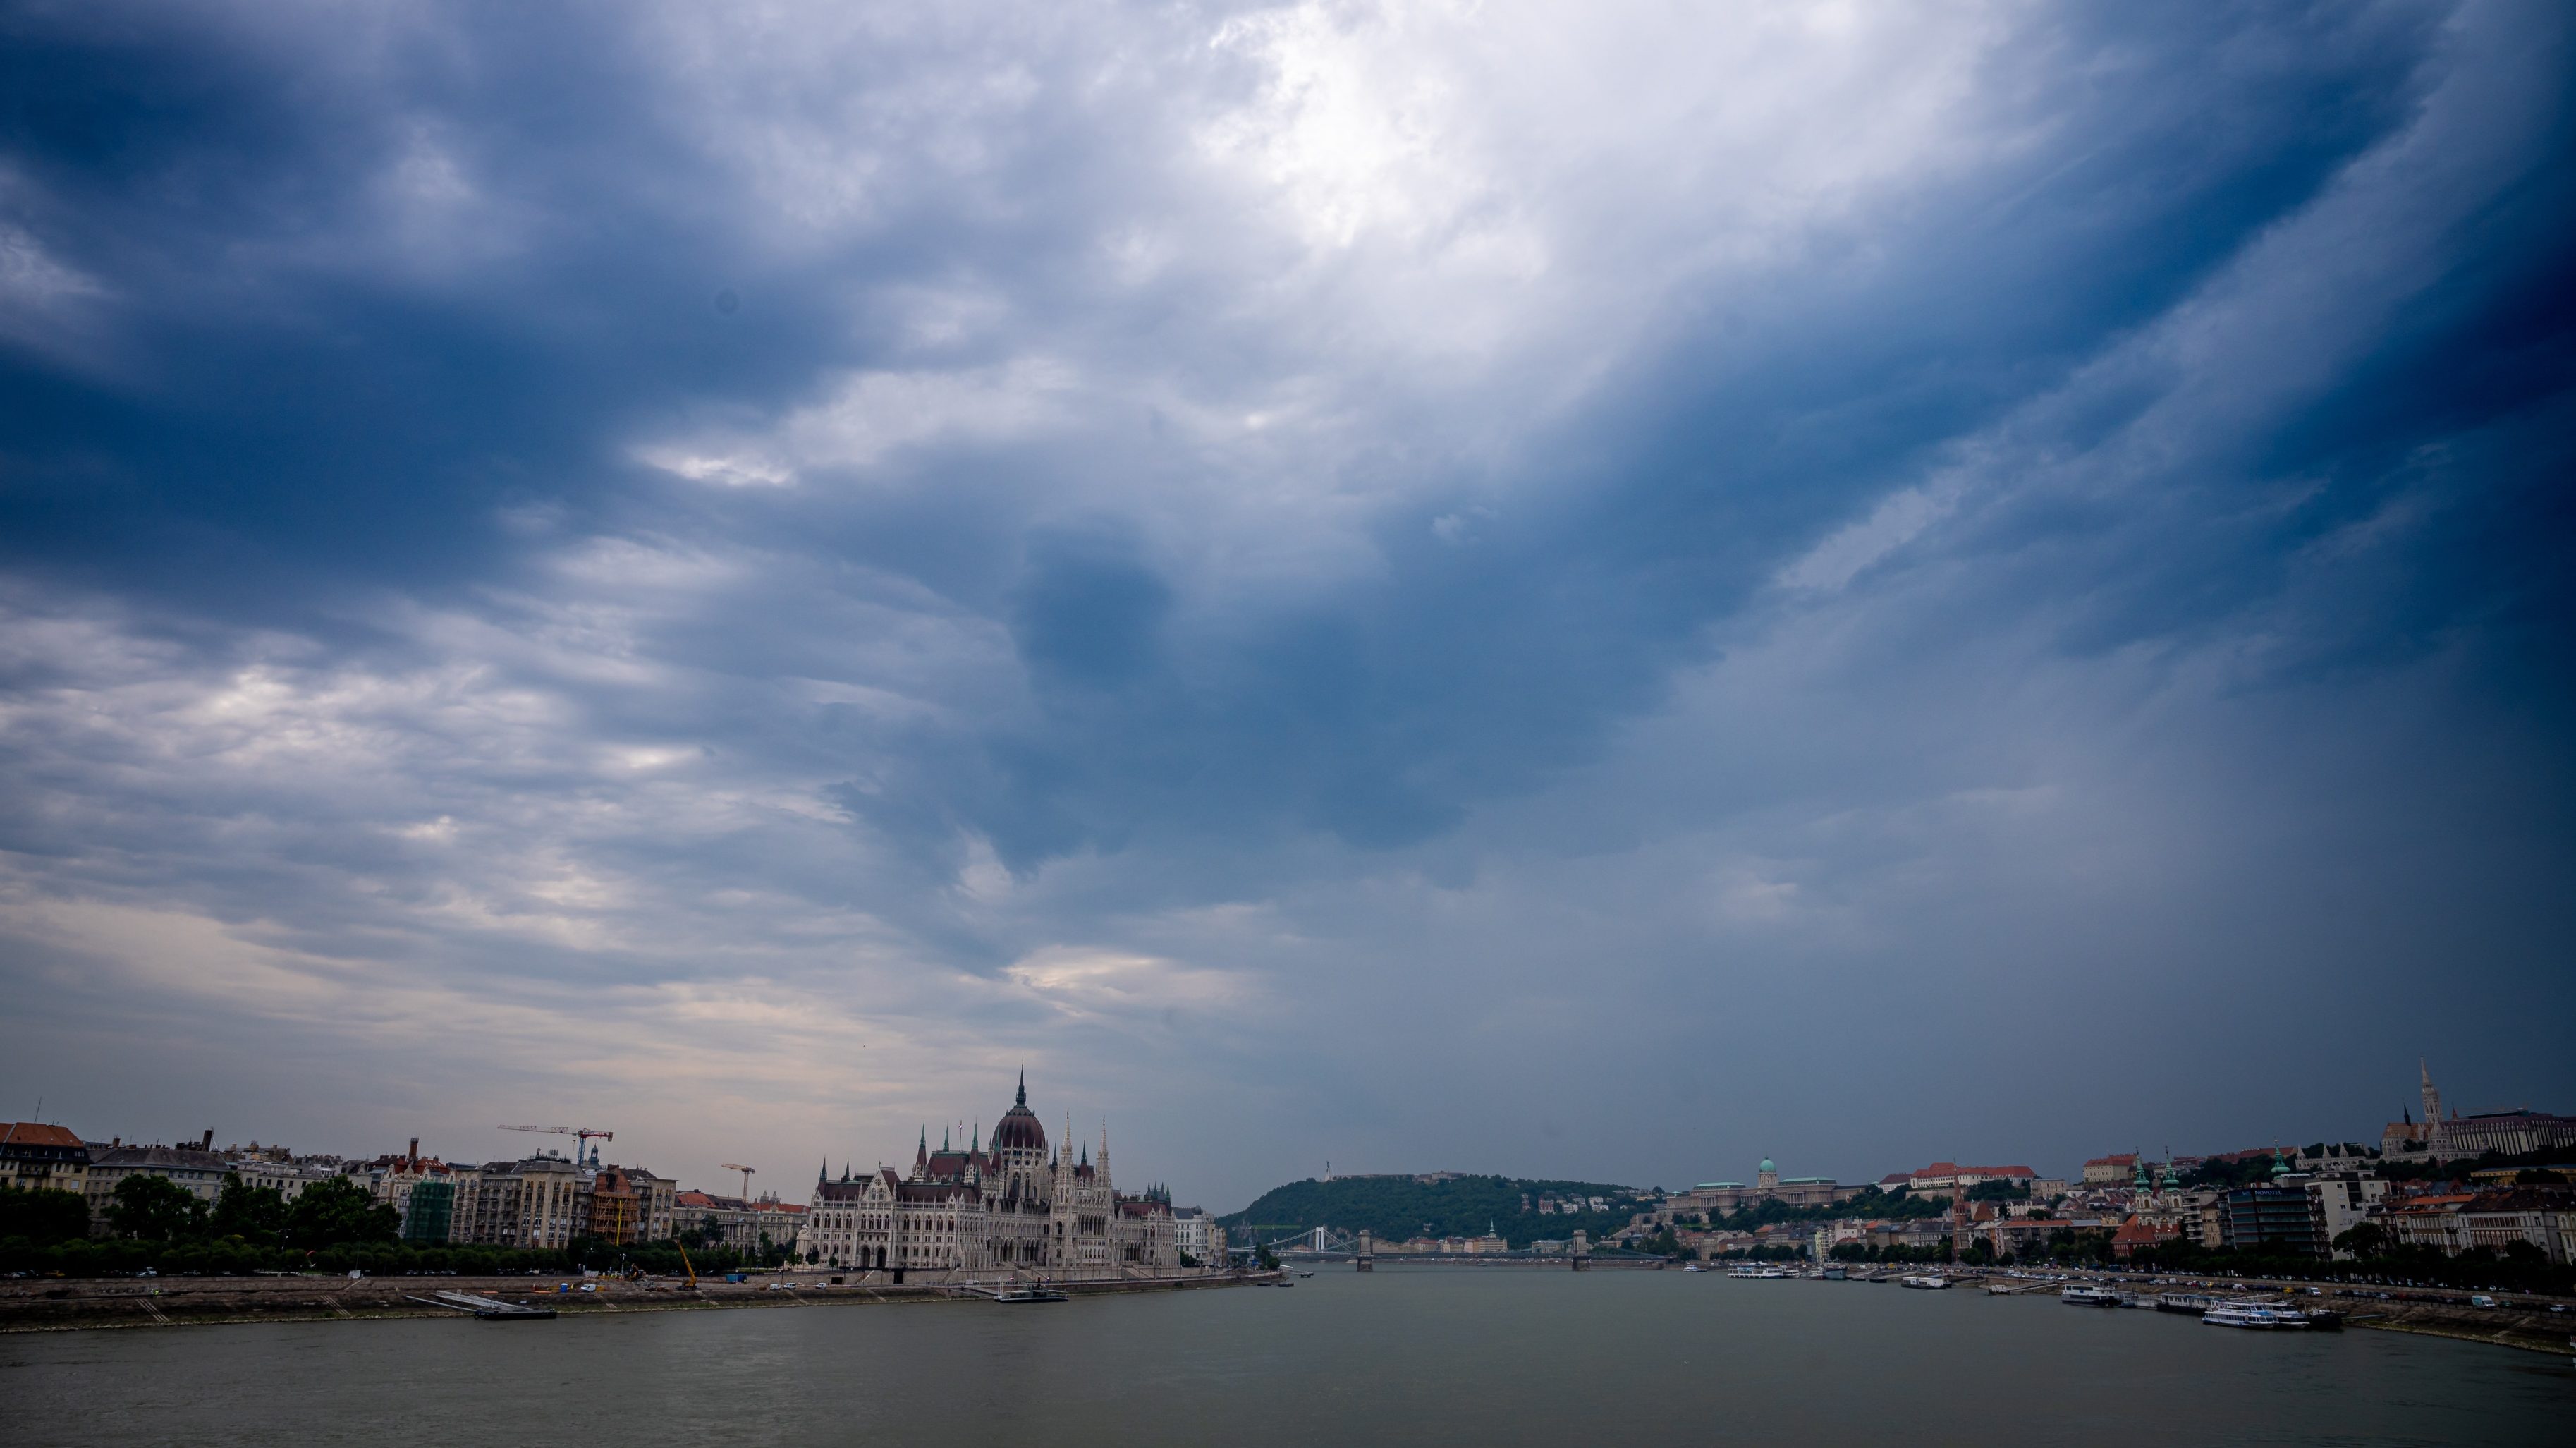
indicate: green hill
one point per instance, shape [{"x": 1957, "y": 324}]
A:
[{"x": 1441, "y": 1204}]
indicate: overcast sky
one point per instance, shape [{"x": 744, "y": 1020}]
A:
[{"x": 1595, "y": 591}]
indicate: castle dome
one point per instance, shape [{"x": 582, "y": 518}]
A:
[{"x": 1767, "y": 1166}]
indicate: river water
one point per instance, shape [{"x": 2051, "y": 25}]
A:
[{"x": 1428, "y": 1355}]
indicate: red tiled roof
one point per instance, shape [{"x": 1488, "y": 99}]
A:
[
  {"x": 2117, "y": 1158},
  {"x": 2138, "y": 1229},
  {"x": 36, "y": 1133},
  {"x": 2436, "y": 1203}
]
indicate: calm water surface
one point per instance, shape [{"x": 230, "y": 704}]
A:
[{"x": 1424, "y": 1356}]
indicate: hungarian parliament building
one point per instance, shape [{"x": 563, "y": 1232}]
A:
[{"x": 1008, "y": 1206}]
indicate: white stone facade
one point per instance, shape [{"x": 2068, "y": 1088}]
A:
[{"x": 1012, "y": 1208}]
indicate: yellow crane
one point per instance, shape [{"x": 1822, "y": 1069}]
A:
[{"x": 686, "y": 1263}]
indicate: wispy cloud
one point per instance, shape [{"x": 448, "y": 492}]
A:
[{"x": 1402, "y": 571}]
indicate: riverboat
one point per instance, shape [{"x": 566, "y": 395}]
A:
[
  {"x": 1834, "y": 1272},
  {"x": 1030, "y": 1293},
  {"x": 2194, "y": 1303},
  {"x": 2252, "y": 1315},
  {"x": 2085, "y": 1294},
  {"x": 1694, "y": 1267},
  {"x": 1924, "y": 1281}
]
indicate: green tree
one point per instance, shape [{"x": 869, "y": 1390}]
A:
[
  {"x": 152, "y": 1208},
  {"x": 2364, "y": 1240},
  {"x": 255, "y": 1214},
  {"x": 43, "y": 1216},
  {"x": 335, "y": 1211}
]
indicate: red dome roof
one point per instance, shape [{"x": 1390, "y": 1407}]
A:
[{"x": 1018, "y": 1130}]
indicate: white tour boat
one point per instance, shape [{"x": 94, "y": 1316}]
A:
[{"x": 2247, "y": 1314}]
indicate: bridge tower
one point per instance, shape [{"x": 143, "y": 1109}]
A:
[
  {"x": 1582, "y": 1253},
  {"x": 1364, "y": 1252}
]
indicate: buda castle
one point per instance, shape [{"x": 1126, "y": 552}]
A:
[{"x": 1008, "y": 1208}]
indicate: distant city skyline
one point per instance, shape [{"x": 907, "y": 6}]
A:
[
  {"x": 789, "y": 1181},
  {"x": 1598, "y": 593}
]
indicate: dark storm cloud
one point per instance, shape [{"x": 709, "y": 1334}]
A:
[{"x": 1058, "y": 525}]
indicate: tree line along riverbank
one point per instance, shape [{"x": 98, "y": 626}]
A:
[{"x": 334, "y": 1226}]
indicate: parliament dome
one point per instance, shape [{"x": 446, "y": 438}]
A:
[{"x": 1018, "y": 1130}]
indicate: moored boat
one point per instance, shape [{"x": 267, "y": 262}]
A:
[
  {"x": 1025, "y": 1292},
  {"x": 2253, "y": 1315},
  {"x": 1925, "y": 1281},
  {"x": 2085, "y": 1294}
]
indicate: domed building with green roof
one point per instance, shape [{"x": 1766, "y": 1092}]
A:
[{"x": 1722, "y": 1197}]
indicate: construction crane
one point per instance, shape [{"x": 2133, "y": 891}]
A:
[
  {"x": 746, "y": 1176},
  {"x": 584, "y": 1133}
]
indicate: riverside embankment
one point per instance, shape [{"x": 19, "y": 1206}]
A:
[
  {"x": 2524, "y": 1320},
  {"x": 67, "y": 1304}
]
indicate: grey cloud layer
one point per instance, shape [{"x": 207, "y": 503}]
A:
[{"x": 842, "y": 547}]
